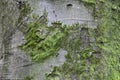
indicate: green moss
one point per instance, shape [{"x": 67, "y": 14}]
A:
[
  {"x": 43, "y": 41},
  {"x": 81, "y": 62},
  {"x": 103, "y": 64},
  {"x": 109, "y": 26},
  {"x": 89, "y": 1},
  {"x": 28, "y": 78}
]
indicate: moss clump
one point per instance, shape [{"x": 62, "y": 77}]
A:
[
  {"x": 103, "y": 64},
  {"x": 28, "y": 78},
  {"x": 108, "y": 34},
  {"x": 81, "y": 62},
  {"x": 43, "y": 41},
  {"x": 89, "y": 1}
]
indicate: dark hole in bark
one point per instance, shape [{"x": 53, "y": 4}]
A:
[{"x": 69, "y": 5}]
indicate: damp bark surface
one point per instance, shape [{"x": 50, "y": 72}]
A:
[
  {"x": 10, "y": 39},
  {"x": 11, "y": 36},
  {"x": 67, "y": 11}
]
